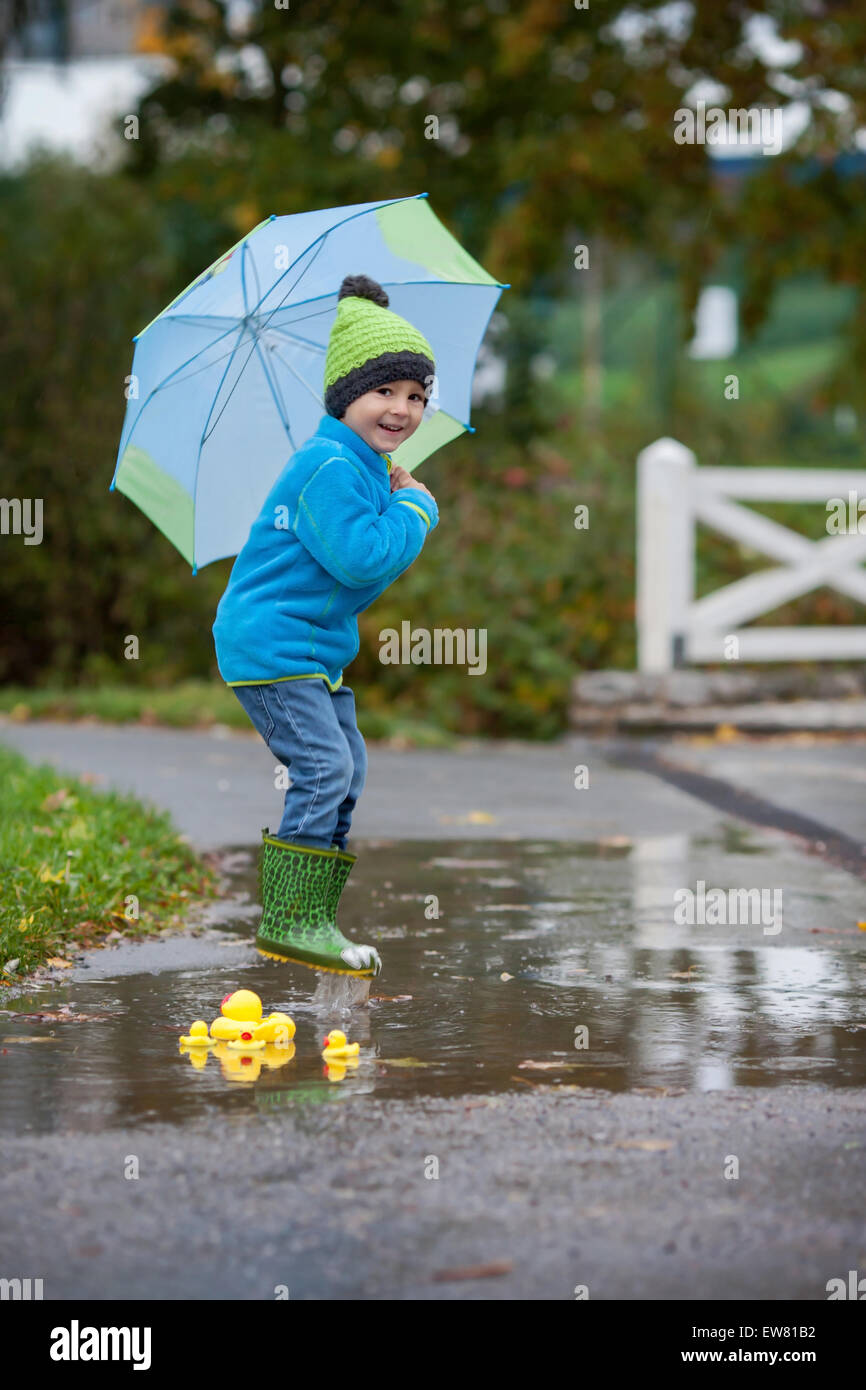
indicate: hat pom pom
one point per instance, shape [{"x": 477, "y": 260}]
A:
[{"x": 363, "y": 288}]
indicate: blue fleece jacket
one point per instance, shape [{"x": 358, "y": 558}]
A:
[{"x": 330, "y": 537}]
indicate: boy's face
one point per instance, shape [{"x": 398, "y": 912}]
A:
[{"x": 399, "y": 404}]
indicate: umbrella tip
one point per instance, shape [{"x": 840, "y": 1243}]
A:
[
  {"x": 135, "y": 339},
  {"x": 195, "y": 569},
  {"x": 272, "y": 217},
  {"x": 471, "y": 429}
]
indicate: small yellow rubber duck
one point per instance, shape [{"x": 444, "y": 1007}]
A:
[
  {"x": 245, "y": 1042},
  {"x": 276, "y": 1028},
  {"x": 337, "y": 1047},
  {"x": 227, "y": 1029},
  {"x": 198, "y": 1035}
]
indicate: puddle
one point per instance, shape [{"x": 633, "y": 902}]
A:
[{"x": 548, "y": 964}]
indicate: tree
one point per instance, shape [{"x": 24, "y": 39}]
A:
[{"x": 523, "y": 123}]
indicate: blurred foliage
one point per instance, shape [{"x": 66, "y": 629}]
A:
[
  {"x": 555, "y": 126},
  {"x": 86, "y": 258}
]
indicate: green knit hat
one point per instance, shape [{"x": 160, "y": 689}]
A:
[{"x": 370, "y": 345}]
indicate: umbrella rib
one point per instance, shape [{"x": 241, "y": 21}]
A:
[
  {"x": 207, "y": 366},
  {"x": 386, "y": 284},
  {"x": 244, "y": 255},
  {"x": 205, "y": 435},
  {"x": 296, "y": 374},
  {"x": 388, "y": 202},
  {"x": 208, "y": 430},
  {"x": 294, "y": 338},
  {"x": 278, "y": 400},
  {"x": 204, "y": 319},
  {"x": 124, "y": 443},
  {"x": 293, "y": 287}
]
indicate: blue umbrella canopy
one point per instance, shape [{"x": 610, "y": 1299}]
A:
[{"x": 227, "y": 382}]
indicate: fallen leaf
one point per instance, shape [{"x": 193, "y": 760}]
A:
[
  {"x": 56, "y": 800},
  {"x": 23, "y": 1039},
  {"x": 552, "y": 1090},
  {"x": 861, "y": 926},
  {"x": 649, "y": 1145},
  {"x": 46, "y": 876},
  {"x": 505, "y": 976},
  {"x": 446, "y": 863},
  {"x": 593, "y": 1065},
  {"x": 64, "y": 1016},
  {"x": 403, "y": 1062},
  {"x": 683, "y": 974},
  {"x": 59, "y": 963},
  {"x": 541, "y": 1066},
  {"x": 488, "y": 1271}
]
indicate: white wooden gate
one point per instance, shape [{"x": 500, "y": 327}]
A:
[{"x": 674, "y": 628}]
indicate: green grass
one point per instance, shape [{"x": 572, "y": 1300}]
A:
[
  {"x": 193, "y": 704},
  {"x": 115, "y": 849}
]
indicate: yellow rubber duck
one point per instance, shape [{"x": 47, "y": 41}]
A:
[
  {"x": 243, "y": 1005},
  {"x": 337, "y": 1047},
  {"x": 276, "y": 1028},
  {"x": 227, "y": 1029},
  {"x": 198, "y": 1035},
  {"x": 245, "y": 1042}
]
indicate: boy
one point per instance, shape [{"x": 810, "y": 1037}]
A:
[{"x": 339, "y": 525}]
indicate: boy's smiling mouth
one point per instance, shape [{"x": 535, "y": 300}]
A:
[{"x": 391, "y": 429}]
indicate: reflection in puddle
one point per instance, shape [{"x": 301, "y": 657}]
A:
[{"x": 508, "y": 966}]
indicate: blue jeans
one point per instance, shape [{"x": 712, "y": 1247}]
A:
[{"x": 313, "y": 732}]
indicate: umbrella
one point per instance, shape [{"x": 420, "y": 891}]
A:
[{"x": 227, "y": 382}]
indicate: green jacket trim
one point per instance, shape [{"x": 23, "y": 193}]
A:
[
  {"x": 311, "y": 676},
  {"x": 419, "y": 510}
]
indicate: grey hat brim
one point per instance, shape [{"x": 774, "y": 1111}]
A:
[{"x": 389, "y": 366}]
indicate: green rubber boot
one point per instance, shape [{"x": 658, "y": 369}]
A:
[{"x": 301, "y": 887}]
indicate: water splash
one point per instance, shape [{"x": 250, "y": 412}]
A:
[{"x": 341, "y": 993}]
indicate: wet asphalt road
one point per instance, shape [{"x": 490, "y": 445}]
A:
[
  {"x": 332, "y": 1200},
  {"x": 622, "y": 1192}
]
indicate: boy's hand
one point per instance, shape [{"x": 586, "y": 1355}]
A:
[{"x": 401, "y": 478}]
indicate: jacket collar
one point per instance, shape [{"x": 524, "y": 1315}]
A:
[{"x": 332, "y": 428}]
